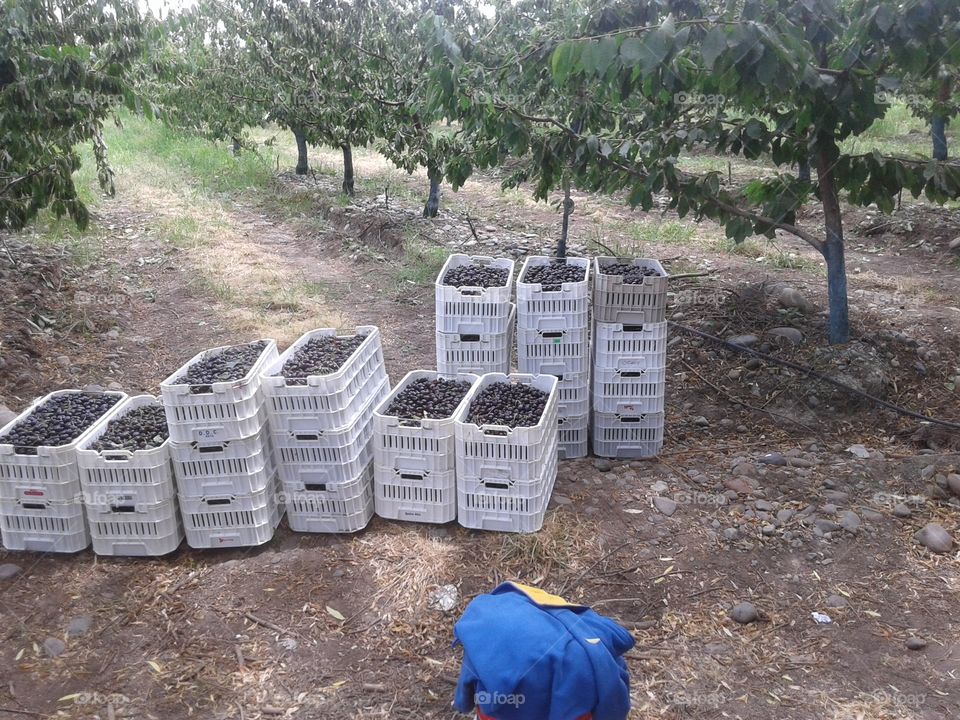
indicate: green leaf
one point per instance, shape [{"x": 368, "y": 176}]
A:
[
  {"x": 713, "y": 46},
  {"x": 562, "y": 61},
  {"x": 631, "y": 51}
]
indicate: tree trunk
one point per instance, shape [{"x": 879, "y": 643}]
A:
[
  {"x": 938, "y": 130},
  {"x": 303, "y": 165},
  {"x": 432, "y": 208},
  {"x": 347, "y": 169},
  {"x": 839, "y": 320},
  {"x": 938, "y": 124},
  {"x": 236, "y": 147},
  {"x": 567, "y": 211}
]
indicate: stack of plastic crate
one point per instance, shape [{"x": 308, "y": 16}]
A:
[
  {"x": 474, "y": 324},
  {"x": 41, "y": 501},
  {"x": 322, "y": 430},
  {"x": 130, "y": 496},
  {"x": 505, "y": 476},
  {"x": 415, "y": 460},
  {"x": 629, "y": 360},
  {"x": 227, "y": 483},
  {"x": 553, "y": 337}
]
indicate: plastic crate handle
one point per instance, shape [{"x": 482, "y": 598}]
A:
[
  {"x": 218, "y": 501},
  {"x": 631, "y": 418},
  {"x": 211, "y": 448},
  {"x": 412, "y": 476},
  {"x": 123, "y": 508},
  {"x": 33, "y": 506},
  {"x": 315, "y": 487},
  {"x": 498, "y": 430},
  {"x": 116, "y": 455}
]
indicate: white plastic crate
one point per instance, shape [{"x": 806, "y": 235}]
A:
[
  {"x": 426, "y": 444},
  {"x": 142, "y": 547},
  {"x": 627, "y": 436},
  {"x": 52, "y": 473},
  {"x": 324, "y": 466},
  {"x": 325, "y": 401},
  {"x": 468, "y": 350},
  {"x": 496, "y": 451},
  {"x": 232, "y": 409},
  {"x": 244, "y": 465},
  {"x": 232, "y": 520},
  {"x": 43, "y": 526},
  {"x": 614, "y": 342},
  {"x": 637, "y": 389},
  {"x": 503, "y": 511},
  {"x": 615, "y": 301},
  {"x": 419, "y": 496},
  {"x": 568, "y": 291},
  {"x": 572, "y": 435},
  {"x": 540, "y": 344},
  {"x": 139, "y": 530},
  {"x": 473, "y": 310},
  {"x": 108, "y": 476},
  {"x": 325, "y": 512}
]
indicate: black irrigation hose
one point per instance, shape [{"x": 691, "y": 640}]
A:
[{"x": 813, "y": 373}]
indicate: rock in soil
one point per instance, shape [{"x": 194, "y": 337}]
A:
[
  {"x": 743, "y": 613},
  {"x": 603, "y": 465},
  {"x": 54, "y": 646},
  {"x": 850, "y": 521},
  {"x": 901, "y": 510},
  {"x": 665, "y": 505},
  {"x": 79, "y": 625},
  {"x": 837, "y": 601},
  {"x": 935, "y": 538},
  {"x": 786, "y": 335},
  {"x": 744, "y": 340},
  {"x": 773, "y": 458},
  {"x": 9, "y": 570},
  {"x": 953, "y": 483},
  {"x": 915, "y": 643}
]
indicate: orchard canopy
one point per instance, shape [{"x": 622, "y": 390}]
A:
[{"x": 602, "y": 96}]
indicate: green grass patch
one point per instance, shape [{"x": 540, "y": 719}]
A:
[
  {"x": 767, "y": 253},
  {"x": 670, "y": 232},
  {"x": 208, "y": 166},
  {"x": 421, "y": 263}
]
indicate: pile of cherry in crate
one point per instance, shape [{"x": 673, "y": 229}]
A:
[
  {"x": 608, "y": 383},
  {"x": 242, "y": 435}
]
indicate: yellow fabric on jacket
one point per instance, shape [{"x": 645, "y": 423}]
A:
[{"x": 542, "y": 597}]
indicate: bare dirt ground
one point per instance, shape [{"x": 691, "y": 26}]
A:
[{"x": 258, "y": 633}]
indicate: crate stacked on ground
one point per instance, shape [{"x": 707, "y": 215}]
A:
[
  {"x": 415, "y": 447},
  {"x": 127, "y": 480},
  {"x": 474, "y": 315},
  {"x": 553, "y": 337},
  {"x": 227, "y": 484},
  {"x": 629, "y": 356},
  {"x": 506, "y": 440},
  {"x": 321, "y": 394},
  {"x": 41, "y": 501}
]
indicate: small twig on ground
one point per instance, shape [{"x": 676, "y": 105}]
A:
[
  {"x": 21, "y": 712},
  {"x": 473, "y": 230},
  {"x": 269, "y": 625}
]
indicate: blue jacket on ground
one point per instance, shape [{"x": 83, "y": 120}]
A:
[{"x": 529, "y": 655}]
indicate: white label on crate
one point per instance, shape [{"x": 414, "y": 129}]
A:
[
  {"x": 208, "y": 434},
  {"x": 633, "y": 362},
  {"x": 625, "y": 409}
]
